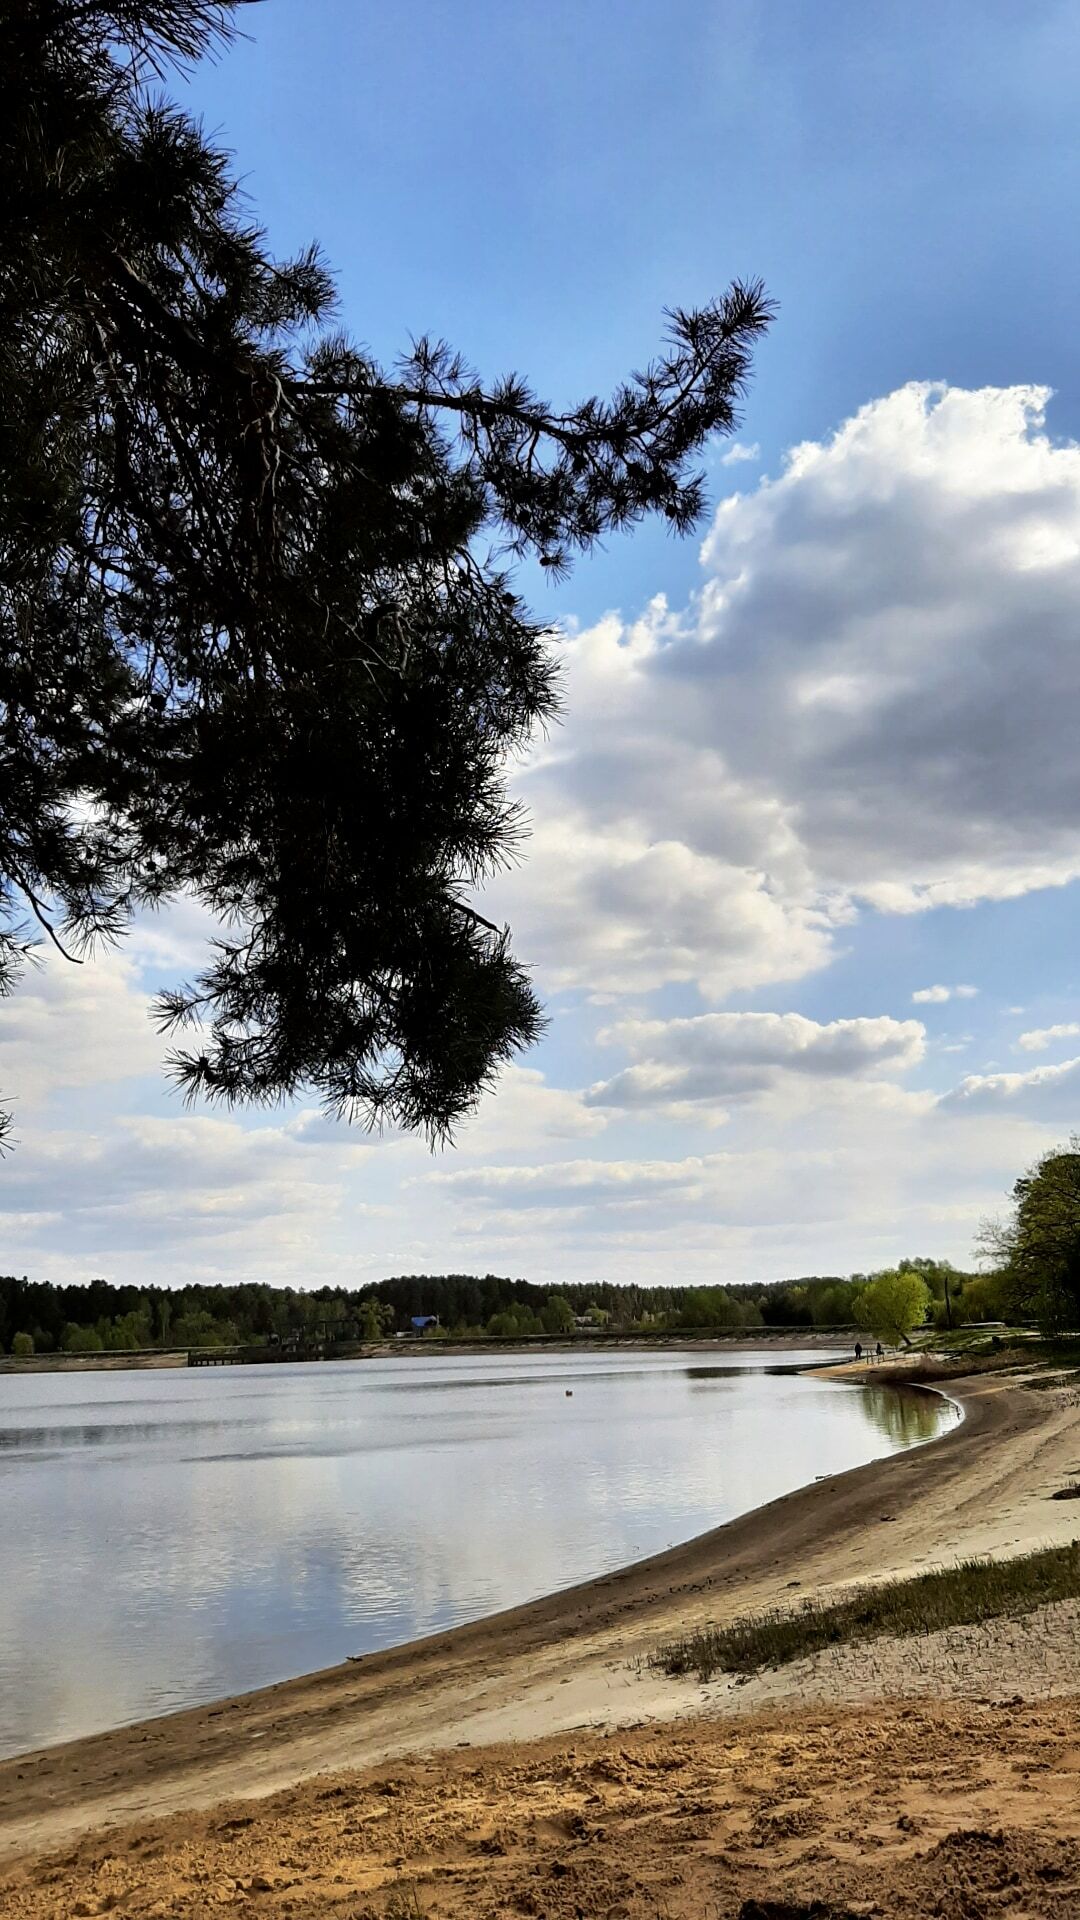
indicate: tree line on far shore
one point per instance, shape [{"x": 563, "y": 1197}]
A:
[{"x": 39, "y": 1317}]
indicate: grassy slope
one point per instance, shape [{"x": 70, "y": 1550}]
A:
[{"x": 950, "y": 1597}]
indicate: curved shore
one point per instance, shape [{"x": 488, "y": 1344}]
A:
[{"x": 568, "y": 1660}]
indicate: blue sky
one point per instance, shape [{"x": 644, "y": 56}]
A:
[
  {"x": 537, "y": 184},
  {"x": 816, "y": 761}
]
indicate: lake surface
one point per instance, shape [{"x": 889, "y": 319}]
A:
[{"x": 170, "y": 1537}]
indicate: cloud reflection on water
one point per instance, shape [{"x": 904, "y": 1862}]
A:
[{"x": 263, "y": 1526}]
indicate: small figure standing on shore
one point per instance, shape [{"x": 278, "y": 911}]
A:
[
  {"x": 858, "y": 1349},
  {"x": 880, "y": 1351}
]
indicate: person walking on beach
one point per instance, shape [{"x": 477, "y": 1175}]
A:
[
  {"x": 880, "y": 1351},
  {"x": 858, "y": 1349}
]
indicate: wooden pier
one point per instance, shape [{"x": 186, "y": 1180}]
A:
[{"x": 256, "y": 1356}]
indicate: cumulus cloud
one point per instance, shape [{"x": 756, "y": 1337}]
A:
[
  {"x": 724, "y": 1056},
  {"x": 740, "y": 452},
  {"x": 603, "y": 907},
  {"x": 894, "y": 618},
  {"x": 936, "y": 996},
  {"x": 1037, "y": 1039},
  {"x": 842, "y": 717},
  {"x": 523, "y": 1111},
  {"x": 1046, "y": 1093}
]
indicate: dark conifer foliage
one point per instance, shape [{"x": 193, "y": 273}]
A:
[{"x": 258, "y": 639}]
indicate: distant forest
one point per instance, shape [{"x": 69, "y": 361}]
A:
[{"x": 36, "y": 1316}]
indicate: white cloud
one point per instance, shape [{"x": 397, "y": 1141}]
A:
[
  {"x": 602, "y": 906},
  {"x": 936, "y": 996},
  {"x": 725, "y": 1056},
  {"x": 1046, "y": 1093},
  {"x": 523, "y": 1111},
  {"x": 853, "y": 1186},
  {"x": 575, "y": 1183},
  {"x": 184, "y": 1195},
  {"x": 842, "y": 717},
  {"x": 740, "y": 452},
  {"x": 68, "y": 1026},
  {"x": 1037, "y": 1039},
  {"x": 887, "y": 628}
]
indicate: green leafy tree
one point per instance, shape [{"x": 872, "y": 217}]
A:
[
  {"x": 514, "y": 1323},
  {"x": 127, "y": 1333},
  {"x": 716, "y": 1307},
  {"x": 376, "y": 1320},
  {"x": 832, "y": 1306},
  {"x": 1037, "y": 1249},
  {"x": 945, "y": 1284},
  {"x": 892, "y": 1304},
  {"x": 251, "y": 645},
  {"x": 503, "y": 1326},
  {"x": 556, "y": 1314},
  {"x": 199, "y": 1328},
  {"x": 82, "y": 1339},
  {"x": 982, "y": 1298},
  {"x": 22, "y": 1346}
]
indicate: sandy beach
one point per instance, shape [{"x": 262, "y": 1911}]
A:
[
  {"x": 962, "y": 1810},
  {"x": 572, "y": 1663}
]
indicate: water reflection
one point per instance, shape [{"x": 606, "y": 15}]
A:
[
  {"x": 909, "y": 1415},
  {"x": 235, "y": 1526}
]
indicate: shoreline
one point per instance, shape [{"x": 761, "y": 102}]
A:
[
  {"x": 156, "y": 1359},
  {"x": 572, "y": 1659}
]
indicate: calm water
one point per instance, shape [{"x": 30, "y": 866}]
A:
[{"x": 171, "y": 1537}]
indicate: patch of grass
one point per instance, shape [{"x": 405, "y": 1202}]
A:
[
  {"x": 949, "y": 1597},
  {"x": 964, "y": 1339}
]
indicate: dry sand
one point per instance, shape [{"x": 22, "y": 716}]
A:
[
  {"x": 955, "y": 1809},
  {"x": 700, "y": 1816}
]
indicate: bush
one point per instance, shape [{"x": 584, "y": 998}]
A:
[{"x": 22, "y": 1346}]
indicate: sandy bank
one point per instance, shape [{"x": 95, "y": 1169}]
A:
[
  {"x": 959, "y": 1810},
  {"x": 567, "y": 1661},
  {"x": 622, "y": 1343},
  {"x": 93, "y": 1362}
]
